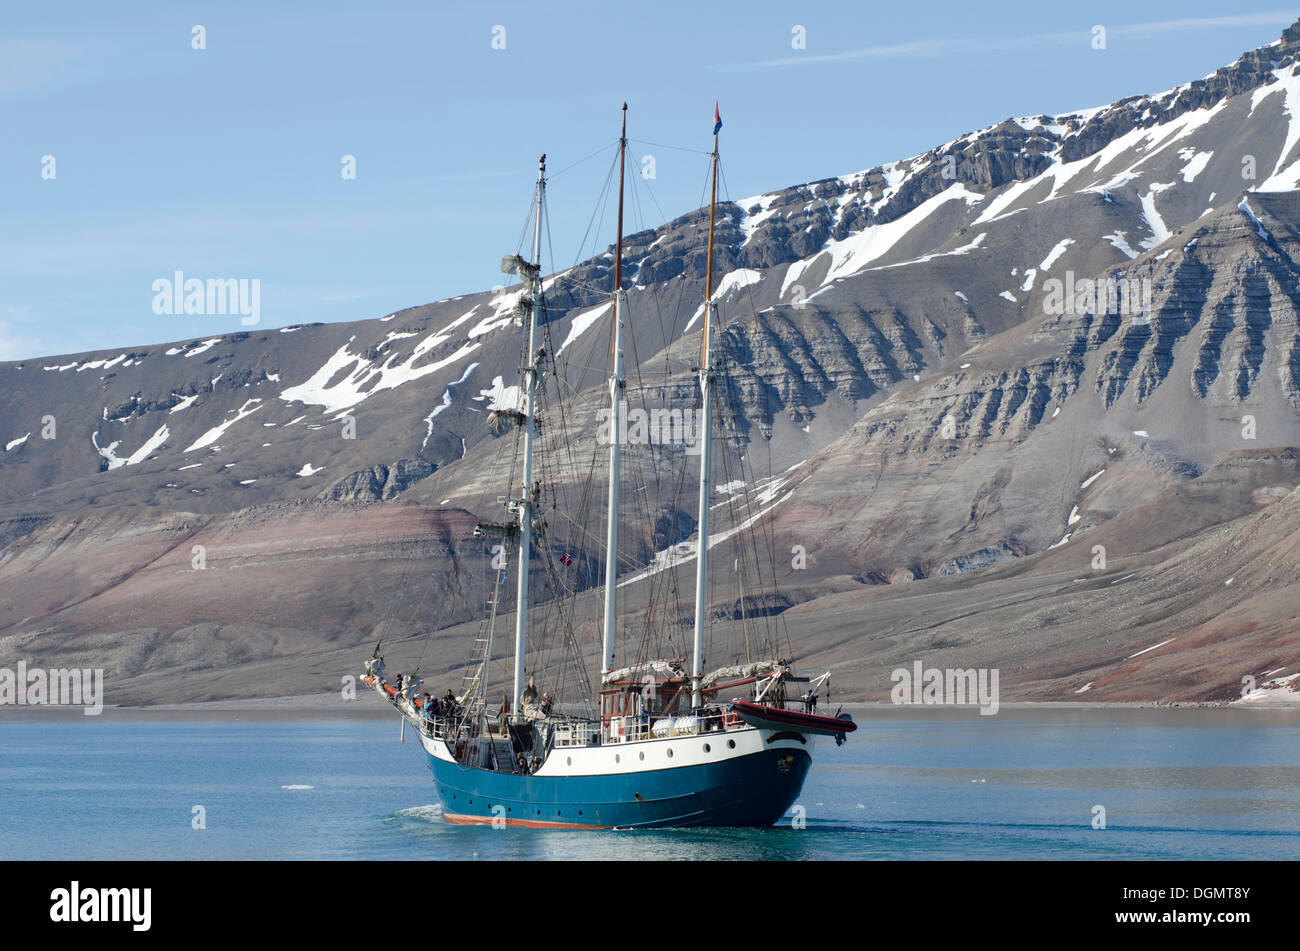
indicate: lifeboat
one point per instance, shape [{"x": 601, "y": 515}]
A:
[{"x": 774, "y": 718}]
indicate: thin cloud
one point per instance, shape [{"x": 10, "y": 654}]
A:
[
  {"x": 1158, "y": 27},
  {"x": 15, "y": 342},
  {"x": 467, "y": 176},
  {"x": 994, "y": 44},
  {"x": 30, "y": 63}
]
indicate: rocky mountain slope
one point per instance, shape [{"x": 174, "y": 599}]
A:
[{"x": 952, "y": 414}]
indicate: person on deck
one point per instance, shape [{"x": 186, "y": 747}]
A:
[{"x": 546, "y": 704}]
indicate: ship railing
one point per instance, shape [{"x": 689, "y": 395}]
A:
[
  {"x": 443, "y": 728},
  {"x": 627, "y": 729},
  {"x": 576, "y": 732}
]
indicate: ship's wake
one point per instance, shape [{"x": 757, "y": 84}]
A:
[{"x": 431, "y": 813}]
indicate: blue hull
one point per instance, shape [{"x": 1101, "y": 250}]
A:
[{"x": 753, "y": 790}]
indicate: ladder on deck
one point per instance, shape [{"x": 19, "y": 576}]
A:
[
  {"x": 480, "y": 654},
  {"x": 503, "y": 755}
]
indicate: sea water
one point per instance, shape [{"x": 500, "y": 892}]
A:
[{"x": 1040, "y": 782}]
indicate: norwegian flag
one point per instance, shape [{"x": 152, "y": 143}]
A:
[
  {"x": 566, "y": 559},
  {"x": 717, "y": 119}
]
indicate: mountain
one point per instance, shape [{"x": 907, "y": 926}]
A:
[{"x": 955, "y": 416}]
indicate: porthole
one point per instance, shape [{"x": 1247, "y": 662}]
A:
[
  {"x": 707, "y": 748},
  {"x": 731, "y": 744},
  {"x": 670, "y": 752},
  {"x": 617, "y": 758},
  {"x": 641, "y": 755},
  {"x": 568, "y": 761}
]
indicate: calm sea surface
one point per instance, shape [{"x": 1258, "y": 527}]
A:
[{"x": 945, "y": 784}]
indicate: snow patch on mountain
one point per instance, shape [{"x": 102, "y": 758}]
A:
[
  {"x": 855, "y": 252},
  {"x": 101, "y": 364},
  {"x": 767, "y": 496},
  {"x": 734, "y": 281},
  {"x": 1290, "y": 86},
  {"x": 1120, "y": 241},
  {"x": 150, "y": 446},
  {"x": 440, "y": 337},
  {"x": 216, "y": 432},
  {"x": 1055, "y": 253},
  {"x": 1284, "y": 181},
  {"x": 795, "y": 270},
  {"x": 1196, "y": 162},
  {"x": 1091, "y": 479},
  {"x": 365, "y": 378},
  {"x": 1160, "y": 232},
  {"x": 502, "y": 315},
  {"x": 193, "y": 349},
  {"x": 582, "y": 323},
  {"x": 500, "y": 396},
  {"x": 446, "y": 401},
  {"x": 1244, "y": 207},
  {"x": 1005, "y": 200},
  {"x": 749, "y": 224},
  {"x": 1151, "y": 648},
  {"x": 955, "y": 252}
]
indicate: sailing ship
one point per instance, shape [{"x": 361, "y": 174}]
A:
[{"x": 669, "y": 744}]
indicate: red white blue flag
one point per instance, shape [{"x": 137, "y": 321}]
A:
[
  {"x": 566, "y": 559},
  {"x": 717, "y": 119}
]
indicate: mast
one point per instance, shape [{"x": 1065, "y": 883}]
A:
[
  {"x": 706, "y": 422},
  {"x": 616, "y": 392},
  {"x": 527, "y": 504}
]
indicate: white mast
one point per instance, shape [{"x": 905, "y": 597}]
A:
[
  {"x": 616, "y": 393},
  {"x": 527, "y": 504},
  {"x": 706, "y": 422}
]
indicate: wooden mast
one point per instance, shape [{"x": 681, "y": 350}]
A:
[
  {"x": 527, "y": 504},
  {"x": 706, "y": 420},
  {"x": 616, "y": 401},
  {"x": 708, "y": 264}
]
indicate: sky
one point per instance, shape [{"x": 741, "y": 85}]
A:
[{"x": 213, "y": 139}]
